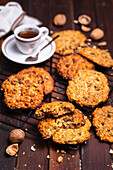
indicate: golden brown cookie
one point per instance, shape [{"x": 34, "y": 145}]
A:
[
  {"x": 88, "y": 88},
  {"x": 69, "y": 65},
  {"x": 49, "y": 126},
  {"x": 73, "y": 136},
  {"x": 26, "y": 88},
  {"x": 55, "y": 109},
  {"x": 68, "y": 41},
  {"x": 103, "y": 123},
  {"x": 98, "y": 56}
]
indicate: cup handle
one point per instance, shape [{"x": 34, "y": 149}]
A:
[{"x": 44, "y": 33}]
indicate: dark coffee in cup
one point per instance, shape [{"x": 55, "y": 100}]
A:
[{"x": 28, "y": 34}]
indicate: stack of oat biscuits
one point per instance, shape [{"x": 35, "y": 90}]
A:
[{"x": 86, "y": 86}]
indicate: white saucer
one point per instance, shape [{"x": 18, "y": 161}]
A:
[{"x": 11, "y": 51}]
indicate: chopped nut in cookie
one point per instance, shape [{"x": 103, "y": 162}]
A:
[{"x": 12, "y": 149}]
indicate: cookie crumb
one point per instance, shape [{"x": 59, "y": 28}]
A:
[
  {"x": 33, "y": 149},
  {"x": 112, "y": 165},
  {"x": 39, "y": 166},
  {"x": 48, "y": 156},
  {"x": 57, "y": 151},
  {"x": 62, "y": 151},
  {"x": 16, "y": 155},
  {"x": 51, "y": 32},
  {"x": 75, "y": 21},
  {"x": 60, "y": 159},
  {"x": 111, "y": 151}
]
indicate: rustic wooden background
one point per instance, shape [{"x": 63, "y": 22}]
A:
[{"x": 91, "y": 156}]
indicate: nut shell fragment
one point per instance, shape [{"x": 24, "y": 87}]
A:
[
  {"x": 84, "y": 28},
  {"x": 59, "y": 19},
  {"x": 12, "y": 149},
  {"x": 84, "y": 19},
  {"x": 16, "y": 136},
  {"x": 97, "y": 34}
]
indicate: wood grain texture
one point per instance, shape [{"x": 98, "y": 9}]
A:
[{"x": 94, "y": 155}]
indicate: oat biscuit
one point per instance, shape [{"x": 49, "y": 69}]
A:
[
  {"x": 55, "y": 109},
  {"x": 98, "y": 56},
  {"x": 49, "y": 126},
  {"x": 88, "y": 88},
  {"x": 26, "y": 88},
  {"x": 103, "y": 123},
  {"x": 68, "y": 41},
  {"x": 73, "y": 136},
  {"x": 69, "y": 65}
]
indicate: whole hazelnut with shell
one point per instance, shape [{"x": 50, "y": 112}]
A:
[
  {"x": 16, "y": 136},
  {"x": 59, "y": 19},
  {"x": 97, "y": 34}
]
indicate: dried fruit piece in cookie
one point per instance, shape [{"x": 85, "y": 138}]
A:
[
  {"x": 73, "y": 136},
  {"x": 55, "y": 109},
  {"x": 88, "y": 88},
  {"x": 26, "y": 88},
  {"x": 98, "y": 56},
  {"x": 69, "y": 65},
  {"x": 68, "y": 41},
  {"x": 49, "y": 126},
  {"x": 103, "y": 123}
]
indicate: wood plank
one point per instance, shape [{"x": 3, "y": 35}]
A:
[
  {"x": 95, "y": 154},
  {"x": 71, "y": 158}
]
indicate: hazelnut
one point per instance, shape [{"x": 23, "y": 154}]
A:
[
  {"x": 84, "y": 28},
  {"x": 59, "y": 19},
  {"x": 12, "y": 149},
  {"x": 84, "y": 19},
  {"x": 97, "y": 34},
  {"x": 16, "y": 136}
]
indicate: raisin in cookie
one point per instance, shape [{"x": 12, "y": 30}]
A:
[
  {"x": 49, "y": 126},
  {"x": 69, "y": 65},
  {"x": 88, "y": 88},
  {"x": 55, "y": 109},
  {"x": 98, "y": 56},
  {"x": 26, "y": 88},
  {"x": 68, "y": 41},
  {"x": 103, "y": 123},
  {"x": 73, "y": 136}
]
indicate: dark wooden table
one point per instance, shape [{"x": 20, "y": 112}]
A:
[{"x": 91, "y": 156}]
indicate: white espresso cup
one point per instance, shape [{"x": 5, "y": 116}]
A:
[{"x": 29, "y": 37}]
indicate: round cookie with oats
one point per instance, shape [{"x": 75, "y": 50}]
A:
[
  {"x": 98, "y": 56},
  {"x": 68, "y": 41},
  {"x": 88, "y": 88},
  {"x": 68, "y": 66},
  {"x": 103, "y": 123},
  {"x": 26, "y": 89}
]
